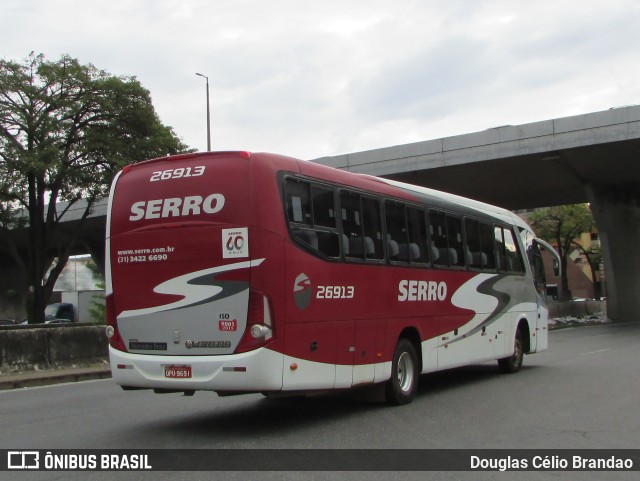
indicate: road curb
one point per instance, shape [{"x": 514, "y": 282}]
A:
[{"x": 46, "y": 378}]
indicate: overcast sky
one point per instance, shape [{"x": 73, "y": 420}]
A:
[{"x": 310, "y": 79}]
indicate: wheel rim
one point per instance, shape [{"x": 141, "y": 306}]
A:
[{"x": 405, "y": 372}]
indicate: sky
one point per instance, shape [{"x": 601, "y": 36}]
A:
[{"x": 313, "y": 79}]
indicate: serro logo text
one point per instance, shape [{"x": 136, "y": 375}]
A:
[{"x": 176, "y": 207}]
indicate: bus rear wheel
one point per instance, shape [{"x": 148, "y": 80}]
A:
[
  {"x": 401, "y": 388},
  {"x": 513, "y": 363}
]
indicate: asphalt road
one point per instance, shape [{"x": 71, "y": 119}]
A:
[{"x": 584, "y": 393}]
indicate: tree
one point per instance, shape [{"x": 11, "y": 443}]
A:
[
  {"x": 97, "y": 309},
  {"x": 65, "y": 130},
  {"x": 594, "y": 258},
  {"x": 560, "y": 226}
]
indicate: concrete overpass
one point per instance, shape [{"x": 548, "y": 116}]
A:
[
  {"x": 586, "y": 158},
  {"x": 86, "y": 237},
  {"x": 591, "y": 158}
]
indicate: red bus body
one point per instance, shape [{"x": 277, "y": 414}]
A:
[{"x": 219, "y": 279}]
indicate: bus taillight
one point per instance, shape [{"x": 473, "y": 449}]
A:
[
  {"x": 115, "y": 340},
  {"x": 259, "y": 330}
]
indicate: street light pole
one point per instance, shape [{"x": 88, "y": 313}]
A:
[{"x": 208, "y": 114}]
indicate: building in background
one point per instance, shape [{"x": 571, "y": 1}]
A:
[
  {"x": 77, "y": 276},
  {"x": 585, "y": 281}
]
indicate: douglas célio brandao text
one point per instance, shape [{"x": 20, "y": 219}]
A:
[{"x": 551, "y": 463}]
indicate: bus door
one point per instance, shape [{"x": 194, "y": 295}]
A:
[{"x": 534, "y": 255}]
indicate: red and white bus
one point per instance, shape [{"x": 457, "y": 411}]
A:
[{"x": 241, "y": 272}]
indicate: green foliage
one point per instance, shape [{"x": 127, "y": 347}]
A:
[
  {"x": 562, "y": 224},
  {"x": 65, "y": 130},
  {"x": 98, "y": 308}
]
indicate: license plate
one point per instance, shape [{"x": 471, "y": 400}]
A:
[{"x": 177, "y": 372}]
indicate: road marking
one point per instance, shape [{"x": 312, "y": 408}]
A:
[{"x": 595, "y": 352}]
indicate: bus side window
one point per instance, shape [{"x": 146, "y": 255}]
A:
[
  {"x": 324, "y": 220},
  {"x": 499, "y": 242},
  {"x": 323, "y": 207},
  {"x": 297, "y": 202},
  {"x": 446, "y": 239},
  {"x": 474, "y": 247},
  {"x": 406, "y": 233},
  {"x": 361, "y": 226},
  {"x": 481, "y": 245},
  {"x": 311, "y": 215},
  {"x": 417, "y": 229},
  {"x": 439, "y": 244},
  {"x": 454, "y": 234},
  {"x": 396, "y": 231},
  {"x": 509, "y": 257},
  {"x": 372, "y": 228},
  {"x": 487, "y": 246},
  {"x": 351, "y": 219},
  {"x": 514, "y": 259}
]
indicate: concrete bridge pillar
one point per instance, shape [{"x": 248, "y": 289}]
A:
[{"x": 616, "y": 210}]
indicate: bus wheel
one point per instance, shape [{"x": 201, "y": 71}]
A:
[
  {"x": 513, "y": 363},
  {"x": 402, "y": 386}
]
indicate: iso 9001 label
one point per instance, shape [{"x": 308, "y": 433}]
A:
[{"x": 228, "y": 325}]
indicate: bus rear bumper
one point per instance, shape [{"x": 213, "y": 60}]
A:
[{"x": 254, "y": 371}]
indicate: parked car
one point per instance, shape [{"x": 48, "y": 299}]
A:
[
  {"x": 59, "y": 321},
  {"x": 59, "y": 312}
]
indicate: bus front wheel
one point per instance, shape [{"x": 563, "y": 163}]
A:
[
  {"x": 402, "y": 386},
  {"x": 513, "y": 363}
]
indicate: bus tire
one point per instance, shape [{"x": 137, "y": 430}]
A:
[
  {"x": 402, "y": 386},
  {"x": 513, "y": 363}
]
